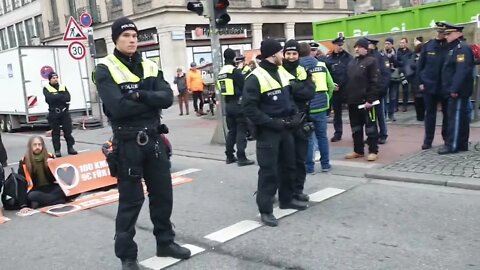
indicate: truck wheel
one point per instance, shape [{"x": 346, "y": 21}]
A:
[
  {"x": 8, "y": 125},
  {"x": 3, "y": 123}
]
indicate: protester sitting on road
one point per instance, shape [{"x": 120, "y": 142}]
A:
[{"x": 43, "y": 189}]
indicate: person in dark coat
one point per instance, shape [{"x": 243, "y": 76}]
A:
[
  {"x": 384, "y": 67},
  {"x": 457, "y": 85},
  {"x": 3, "y": 153},
  {"x": 362, "y": 90},
  {"x": 415, "y": 82},
  {"x": 404, "y": 58},
  {"x": 181, "y": 81},
  {"x": 337, "y": 63},
  {"x": 429, "y": 69}
]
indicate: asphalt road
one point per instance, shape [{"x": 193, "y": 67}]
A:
[{"x": 372, "y": 225}]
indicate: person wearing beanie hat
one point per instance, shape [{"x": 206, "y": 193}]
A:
[
  {"x": 121, "y": 25},
  {"x": 267, "y": 102},
  {"x": 337, "y": 62},
  {"x": 230, "y": 84},
  {"x": 58, "y": 100},
  {"x": 362, "y": 91},
  {"x": 303, "y": 91},
  {"x": 134, "y": 91}
]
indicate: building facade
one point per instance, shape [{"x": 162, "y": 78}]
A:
[{"x": 168, "y": 33}]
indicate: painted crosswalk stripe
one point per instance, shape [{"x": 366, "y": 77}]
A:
[
  {"x": 280, "y": 213},
  {"x": 185, "y": 172},
  {"x": 233, "y": 231},
  {"x": 325, "y": 194},
  {"x": 157, "y": 263}
]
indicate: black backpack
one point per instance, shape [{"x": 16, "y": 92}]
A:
[{"x": 14, "y": 194}]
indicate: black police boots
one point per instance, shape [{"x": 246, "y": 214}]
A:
[
  {"x": 72, "y": 151},
  {"x": 245, "y": 162},
  {"x": 269, "y": 220},
  {"x": 173, "y": 250},
  {"x": 58, "y": 153},
  {"x": 294, "y": 204},
  {"x": 445, "y": 150},
  {"x": 231, "y": 160},
  {"x": 130, "y": 264},
  {"x": 301, "y": 197}
]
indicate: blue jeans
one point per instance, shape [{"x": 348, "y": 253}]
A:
[{"x": 319, "y": 136}]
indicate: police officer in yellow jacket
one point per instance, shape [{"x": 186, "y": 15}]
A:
[
  {"x": 268, "y": 103},
  {"x": 303, "y": 91},
  {"x": 134, "y": 91},
  {"x": 230, "y": 83},
  {"x": 58, "y": 99}
]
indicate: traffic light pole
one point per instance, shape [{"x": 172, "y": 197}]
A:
[{"x": 220, "y": 134}]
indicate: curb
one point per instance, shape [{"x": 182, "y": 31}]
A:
[{"x": 422, "y": 178}]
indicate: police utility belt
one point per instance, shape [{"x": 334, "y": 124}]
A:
[
  {"x": 58, "y": 109},
  {"x": 140, "y": 135}
]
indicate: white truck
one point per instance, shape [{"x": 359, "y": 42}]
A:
[{"x": 23, "y": 74}]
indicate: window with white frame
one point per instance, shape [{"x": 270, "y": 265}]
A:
[
  {"x": 4, "y": 38},
  {"x": 21, "y": 34},
  {"x": 30, "y": 30},
  {"x": 11, "y": 36}
]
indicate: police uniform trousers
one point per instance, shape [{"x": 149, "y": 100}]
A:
[
  {"x": 57, "y": 119},
  {"x": 458, "y": 124},
  {"x": 360, "y": 118},
  {"x": 3, "y": 153},
  {"x": 431, "y": 102},
  {"x": 237, "y": 130},
  {"x": 277, "y": 167},
  {"x": 301, "y": 138},
  {"x": 337, "y": 101},
  {"x": 151, "y": 163}
]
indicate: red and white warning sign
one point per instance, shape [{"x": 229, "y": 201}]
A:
[
  {"x": 32, "y": 101},
  {"x": 77, "y": 50},
  {"x": 73, "y": 31}
]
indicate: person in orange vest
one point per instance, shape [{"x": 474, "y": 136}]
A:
[
  {"x": 42, "y": 189},
  {"x": 195, "y": 86}
]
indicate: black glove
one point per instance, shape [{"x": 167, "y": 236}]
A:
[
  {"x": 295, "y": 121},
  {"x": 276, "y": 124},
  {"x": 132, "y": 95}
]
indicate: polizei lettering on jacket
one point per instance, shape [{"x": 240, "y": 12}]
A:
[
  {"x": 129, "y": 86},
  {"x": 274, "y": 93}
]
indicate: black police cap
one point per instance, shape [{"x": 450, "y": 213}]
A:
[
  {"x": 372, "y": 41},
  {"x": 314, "y": 45},
  {"x": 449, "y": 28},
  {"x": 338, "y": 40}
]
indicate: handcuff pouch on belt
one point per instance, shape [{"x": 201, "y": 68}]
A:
[{"x": 60, "y": 110}]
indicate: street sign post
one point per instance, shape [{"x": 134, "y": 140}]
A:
[{"x": 77, "y": 50}]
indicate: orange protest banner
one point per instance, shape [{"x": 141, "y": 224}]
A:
[
  {"x": 97, "y": 199},
  {"x": 83, "y": 172}
]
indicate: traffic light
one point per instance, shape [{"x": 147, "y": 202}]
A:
[
  {"x": 220, "y": 11},
  {"x": 196, "y": 7}
]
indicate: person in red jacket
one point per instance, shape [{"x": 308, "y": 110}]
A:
[{"x": 42, "y": 189}]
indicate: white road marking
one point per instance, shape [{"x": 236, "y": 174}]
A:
[
  {"x": 14, "y": 163},
  {"x": 354, "y": 164},
  {"x": 184, "y": 172},
  {"x": 280, "y": 213},
  {"x": 233, "y": 231},
  {"x": 325, "y": 194},
  {"x": 157, "y": 263},
  {"x": 86, "y": 150}
]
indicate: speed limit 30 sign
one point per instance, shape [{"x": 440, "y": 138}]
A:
[{"x": 77, "y": 50}]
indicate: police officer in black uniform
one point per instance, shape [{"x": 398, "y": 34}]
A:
[
  {"x": 58, "y": 99},
  {"x": 3, "y": 153},
  {"x": 429, "y": 71},
  {"x": 337, "y": 63},
  {"x": 457, "y": 84},
  {"x": 383, "y": 84},
  {"x": 134, "y": 91},
  {"x": 230, "y": 82},
  {"x": 303, "y": 91},
  {"x": 267, "y": 101}
]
